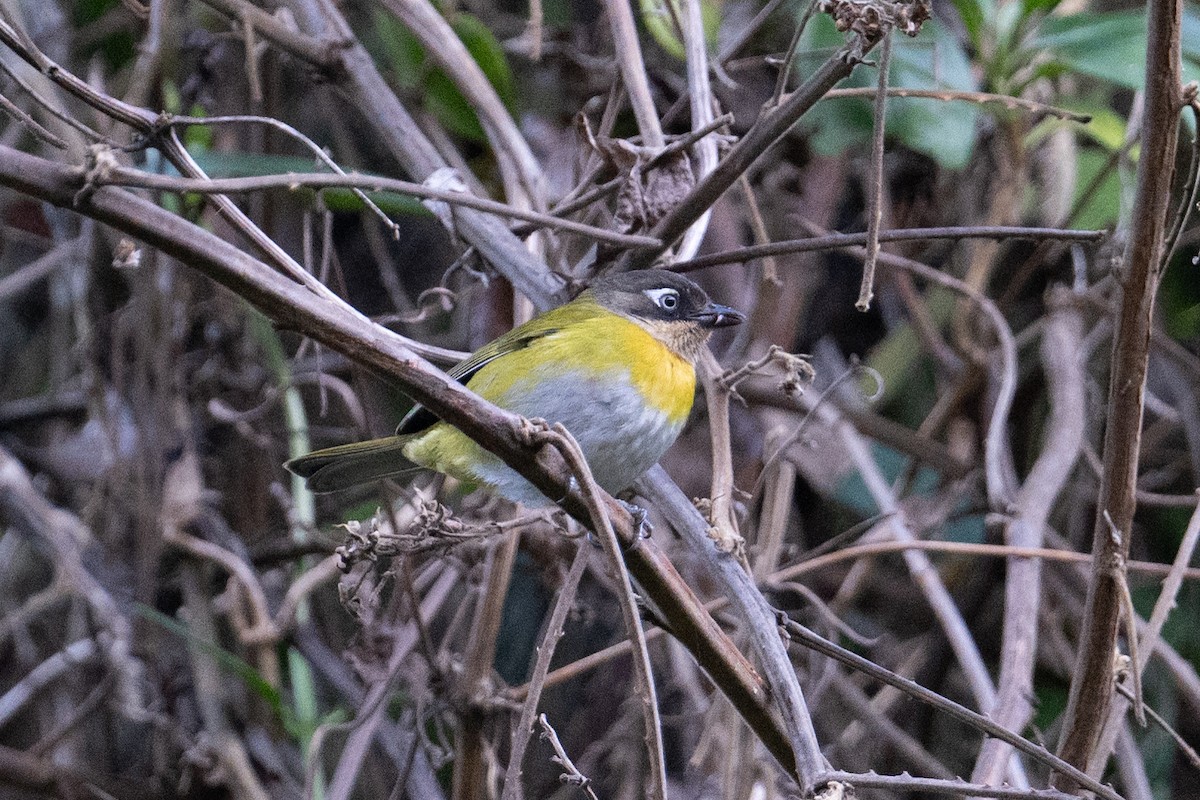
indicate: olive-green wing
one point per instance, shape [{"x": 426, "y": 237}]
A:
[
  {"x": 421, "y": 418},
  {"x": 365, "y": 462}
]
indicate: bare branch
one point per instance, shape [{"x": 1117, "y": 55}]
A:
[
  {"x": 812, "y": 641},
  {"x": 123, "y": 176},
  {"x": 1091, "y": 687},
  {"x": 876, "y": 178},
  {"x": 833, "y": 241}
]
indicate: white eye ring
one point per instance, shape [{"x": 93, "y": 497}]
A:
[{"x": 666, "y": 299}]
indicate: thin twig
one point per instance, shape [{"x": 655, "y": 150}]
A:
[
  {"x": 700, "y": 98},
  {"x": 525, "y": 185},
  {"x": 927, "y": 579},
  {"x": 565, "y": 600},
  {"x": 1142, "y": 648},
  {"x": 7, "y": 36},
  {"x": 264, "y": 628},
  {"x": 721, "y": 498},
  {"x": 561, "y": 438},
  {"x": 999, "y": 481},
  {"x": 1170, "y": 589},
  {"x": 145, "y": 123},
  {"x": 28, "y": 275},
  {"x": 64, "y": 535},
  {"x": 884, "y": 730},
  {"x": 789, "y": 57},
  {"x": 358, "y": 76},
  {"x": 570, "y": 206},
  {"x": 227, "y": 749},
  {"x": 833, "y": 241},
  {"x": 470, "y": 764},
  {"x": 806, "y": 638},
  {"x": 123, "y": 176},
  {"x": 69, "y": 658},
  {"x": 806, "y": 760},
  {"x": 746, "y": 35},
  {"x": 322, "y": 54},
  {"x": 1007, "y": 101},
  {"x": 875, "y": 183},
  {"x": 677, "y": 143},
  {"x": 1191, "y": 187},
  {"x": 372, "y": 711},
  {"x": 956, "y": 787},
  {"x": 1064, "y": 426},
  {"x": 313, "y": 147},
  {"x": 857, "y": 551},
  {"x": 822, "y": 563},
  {"x": 770, "y": 127},
  {"x": 572, "y": 775},
  {"x": 1188, "y": 751},
  {"x": 32, "y": 125}
]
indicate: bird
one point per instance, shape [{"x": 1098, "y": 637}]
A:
[{"x": 615, "y": 366}]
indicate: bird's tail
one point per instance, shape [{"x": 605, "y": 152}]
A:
[{"x": 347, "y": 465}]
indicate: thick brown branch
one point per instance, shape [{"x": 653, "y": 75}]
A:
[{"x": 1092, "y": 687}]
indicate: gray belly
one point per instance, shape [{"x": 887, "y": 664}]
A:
[{"x": 621, "y": 437}]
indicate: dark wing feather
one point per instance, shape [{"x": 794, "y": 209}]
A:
[{"x": 420, "y": 418}]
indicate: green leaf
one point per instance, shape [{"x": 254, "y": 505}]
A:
[
  {"x": 1180, "y": 293},
  {"x": 1106, "y": 127},
  {"x": 1104, "y": 205},
  {"x": 236, "y": 165},
  {"x": 413, "y": 71},
  {"x": 659, "y": 17},
  {"x": 224, "y": 659},
  {"x": 445, "y": 100},
  {"x": 1006, "y": 25},
  {"x": 1052, "y": 693},
  {"x": 1191, "y": 42},
  {"x": 1110, "y": 46},
  {"x": 943, "y": 130},
  {"x": 898, "y": 356},
  {"x": 119, "y": 47},
  {"x": 1030, "y": 7},
  {"x": 400, "y": 48},
  {"x": 488, "y": 53},
  {"x": 975, "y": 15}
]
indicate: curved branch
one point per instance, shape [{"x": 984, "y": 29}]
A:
[{"x": 340, "y": 327}]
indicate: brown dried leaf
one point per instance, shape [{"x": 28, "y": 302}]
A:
[{"x": 649, "y": 193}]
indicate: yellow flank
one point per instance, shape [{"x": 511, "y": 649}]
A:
[{"x": 448, "y": 450}]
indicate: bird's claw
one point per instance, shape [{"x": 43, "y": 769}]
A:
[{"x": 641, "y": 520}]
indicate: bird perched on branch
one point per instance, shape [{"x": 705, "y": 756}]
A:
[{"x": 616, "y": 366}]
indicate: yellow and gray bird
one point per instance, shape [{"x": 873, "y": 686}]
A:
[{"x": 616, "y": 366}]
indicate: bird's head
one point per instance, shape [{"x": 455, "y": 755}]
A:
[{"x": 671, "y": 307}]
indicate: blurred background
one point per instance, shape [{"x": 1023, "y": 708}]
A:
[{"x": 174, "y": 619}]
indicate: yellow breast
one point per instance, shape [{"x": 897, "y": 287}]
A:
[
  {"x": 603, "y": 346},
  {"x": 666, "y": 380}
]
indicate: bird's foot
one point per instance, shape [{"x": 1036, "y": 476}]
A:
[{"x": 641, "y": 519}]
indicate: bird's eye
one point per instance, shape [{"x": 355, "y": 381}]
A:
[{"x": 666, "y": 299}]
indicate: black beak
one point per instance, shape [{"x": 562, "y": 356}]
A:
[{"x": 715, "y": 315}]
